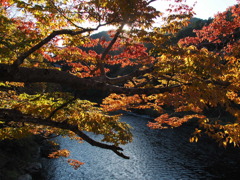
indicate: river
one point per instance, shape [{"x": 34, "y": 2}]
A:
[{"x": 154, "y": 155}]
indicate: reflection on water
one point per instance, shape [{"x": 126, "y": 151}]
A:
[{"x": 154, "y": 155}]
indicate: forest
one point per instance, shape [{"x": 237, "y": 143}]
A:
[{"x": 59, "y": 75}]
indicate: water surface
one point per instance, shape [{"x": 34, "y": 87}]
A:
[{"x": 154, "y": 155}]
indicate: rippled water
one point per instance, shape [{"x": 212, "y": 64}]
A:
[{"x": 154, "y": 155}]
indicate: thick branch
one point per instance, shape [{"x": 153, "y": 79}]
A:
[
  {"x": 32, "y": 75},
  {"x": 9, "y": 115}
]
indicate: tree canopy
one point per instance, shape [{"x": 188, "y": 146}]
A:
[{"x": 38, "y": 38}]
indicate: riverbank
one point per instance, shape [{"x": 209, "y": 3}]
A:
[{"x": 21, "y": 159}]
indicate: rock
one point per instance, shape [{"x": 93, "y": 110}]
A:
[
  {"x": 34, "y": 168},
  {"x": 25, "y": 177},
  {"x": 3, "y": 160},
  {"x": 37, "y": 154},
  {"x": 47, "y": 148}
]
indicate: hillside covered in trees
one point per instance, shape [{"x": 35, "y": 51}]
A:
[{"x": 195, "y": 24}]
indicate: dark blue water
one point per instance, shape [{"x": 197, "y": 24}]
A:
[{"x": 154, "y": 155}]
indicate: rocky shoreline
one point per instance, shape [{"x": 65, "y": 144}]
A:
[{"x": 21, "y": 159}]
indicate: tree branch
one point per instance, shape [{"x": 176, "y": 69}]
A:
[
  {"x": 60, "y": 107},
  {"x": 112, "y": 42},
  {"x": 129, "y": 76},
  {"x": 10, "y": 115},
  {"x": 106, "y": 51},
  {"x": 24, "y": 55},
  {"x": 150, "y": 2},
  {"x": 230, "y": 38},
  {"x": 32, "y": 75},
  {"x": 63, "y": 15}
]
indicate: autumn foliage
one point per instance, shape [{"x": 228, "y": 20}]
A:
[{"x": 38, "y": 38}]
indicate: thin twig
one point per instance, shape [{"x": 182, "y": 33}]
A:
[
  {"x": 60, "y": 107},
  {"x": 106, "y": 51}
]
